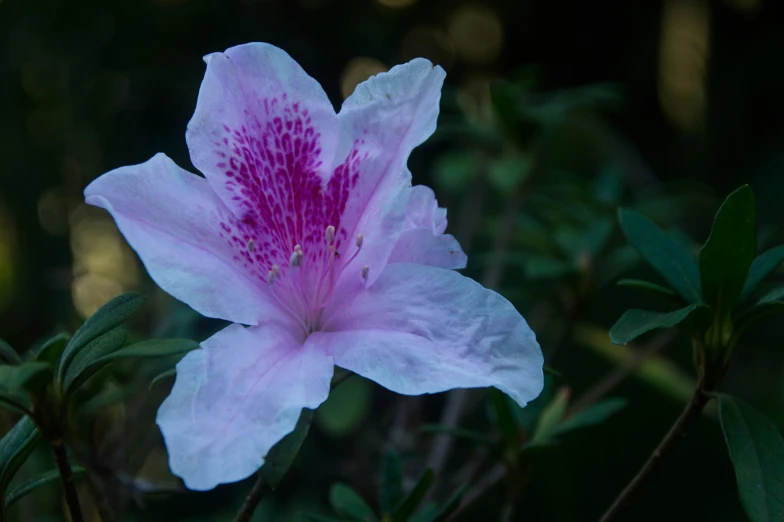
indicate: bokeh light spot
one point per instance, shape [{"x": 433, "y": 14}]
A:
[
  {"x": 428, "y": 42},
  {"x": 357, "y": 71},
  {"x": 476, "y": 32}
]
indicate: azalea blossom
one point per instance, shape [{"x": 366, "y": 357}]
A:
[{"x": 305, "y": 232}]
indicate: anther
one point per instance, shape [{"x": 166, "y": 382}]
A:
[
  {"x": 251, "y": 245},
  {"x": 296, "y": 257},
  {"x": 329, "y": 234},
  {"x": 359, "y": 240},
  {"x": 365, "y": 272},
  {"x": 273, "y": 274}
]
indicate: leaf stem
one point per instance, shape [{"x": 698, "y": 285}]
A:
[
  {"x": 252, "y": 500},
  {"x": 678, "y": 430},
  {"x": 68, "y": 479}
]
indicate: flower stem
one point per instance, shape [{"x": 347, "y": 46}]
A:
[
  {"x": 252, "y": 500},
  {"x": 68, "y": 479},
  {"x": 698, "y": 401}
]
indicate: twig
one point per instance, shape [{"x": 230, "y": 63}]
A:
[
  {"x": 252, "y": 500},
  {"x": 456, "y": 399},
  {"x": 698, "y": 401},
  {"x": 68, "y": 479},
  {"x": 620, "y": 373}
]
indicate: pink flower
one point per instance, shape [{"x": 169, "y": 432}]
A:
[{"x": 307, "y": 230}]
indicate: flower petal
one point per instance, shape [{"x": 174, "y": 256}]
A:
[
  {"x": 380, "y": 123},
  {"x": 423, "y": 240},
  {"x": 237, "y": 397},
  {"x": 258, "y": 113},
  {"x": 419, "y": 245},
  {"x": 174, "y": 222},
  {"x": 421, "y": 329}
]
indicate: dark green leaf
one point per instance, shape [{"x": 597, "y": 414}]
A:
[
  {"x": 592, "y": 416},
  {"x": 282, "y": 455},
  {"x": 634, "y": 323},
  {"x": 546, "y": 267},
  {"x": 50, "y": 351},
  {"x": 426, "y": 514},
  {"x": 346, "y": 407},
  {"x": 347, "y": 502},
  {"x": 727, "y": 255},
  {"x": 664, "y": 253},
  {"x": 8, "y": 355},
  {"x": 108, "y": 317},
  {"x": 509, "y": 172},
  {"x": 757, "y": 452},
  {"x": 452, "y": 504},
  {"x": 411, "y": 503},
  {"x": 315, "y": 517},
  {"x": 36, "y": 482},
  {"x": 163, "y": 375},
  {"x": 551, "y": 417},
  {"x": 459, "y": 433},
  {"x": 144, "y": 349},
  {"x": 504, "y": 418},
  {"x": 15, "y": 447},
  {"x": 27, "y": 377},
  {"x": 763, "y": 265},
  {"x": 649, "y": 287},
  {"x": 85, "y": 363},
  {"x": 391, "y": 490}
]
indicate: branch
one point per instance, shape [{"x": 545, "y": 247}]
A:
[
  {"x": 252, "y": 500},
  {"x": 68, "y": 479},
  {"x": 698, "y": 401}
]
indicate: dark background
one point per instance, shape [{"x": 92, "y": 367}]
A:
[{"x": 684, "y": 104}]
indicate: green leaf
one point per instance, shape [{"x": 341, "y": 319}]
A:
[
  {"x": 726, "y": 257},
  {"x": 763, "y": 265},
  {"x": 83, "y": 365},
  {"x": 664, "y": 253},
  {"x": 144, "y": 349},
  {"x": 452, "y": 504},
  {"x": 108, "y": 317},
  {"x": 409, "y": 505},
  {"x": 757, "y": 453},
  {"x": 28, "y": 377},
  {"x": 315, "y": 517},
  {"x": 50, "y": 351},
  {"x": 391, "y": 491},
  {"x": 15, "y": 447},
  {"x": 171, "y": 372},
  {"x": 509, "y": 172},
  {"x": 347, "y": 502},
  {"x": 426, "y": 514},
  {"x": 459, "y": 433},
  {"x": 634, "y": 323},
  {"x": 504, "y": 418},
  {"x": 36, "y": 482},
  {"x": 7, "y": 354},
  {"x": 649, "y": 287},
  {"x": 596, "y": 414},
  {"x": 345, "y": 408},
  {"x": 551, "y": 417},
  {"x": 282, "y": 455}
]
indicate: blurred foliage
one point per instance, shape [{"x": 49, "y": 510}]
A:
[{"x": 661, "y": 108}]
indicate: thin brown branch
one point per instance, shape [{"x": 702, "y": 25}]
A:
[
  {"x": 698, "y": 401},
  {"x": 253, "y": 499},
  {"x": 68, "y": 479}
]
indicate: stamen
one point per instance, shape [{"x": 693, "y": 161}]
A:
[
  {"x": 365, "y": 272},
  {"x": 329, "y": 234},
  {"x": 360, "y": 239},
  {"x": 273, "y": 274},
  {"x": 296, "y": 257},
  {"x": 358, "y": 242},
  {"x": 251, "y": 245}
]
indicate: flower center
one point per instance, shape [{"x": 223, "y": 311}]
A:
[{"x": 304, "y": 287}]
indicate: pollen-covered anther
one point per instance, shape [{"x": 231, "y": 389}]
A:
[
  {"x": 296, "y": 257},
  {"x": 273, "y": 274},
  {"x": 329, "y": 234},
  {"x": 365, "y": 272},
  {"x": 360, "y": 239},
  {"x": 251, "y": 245}
]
